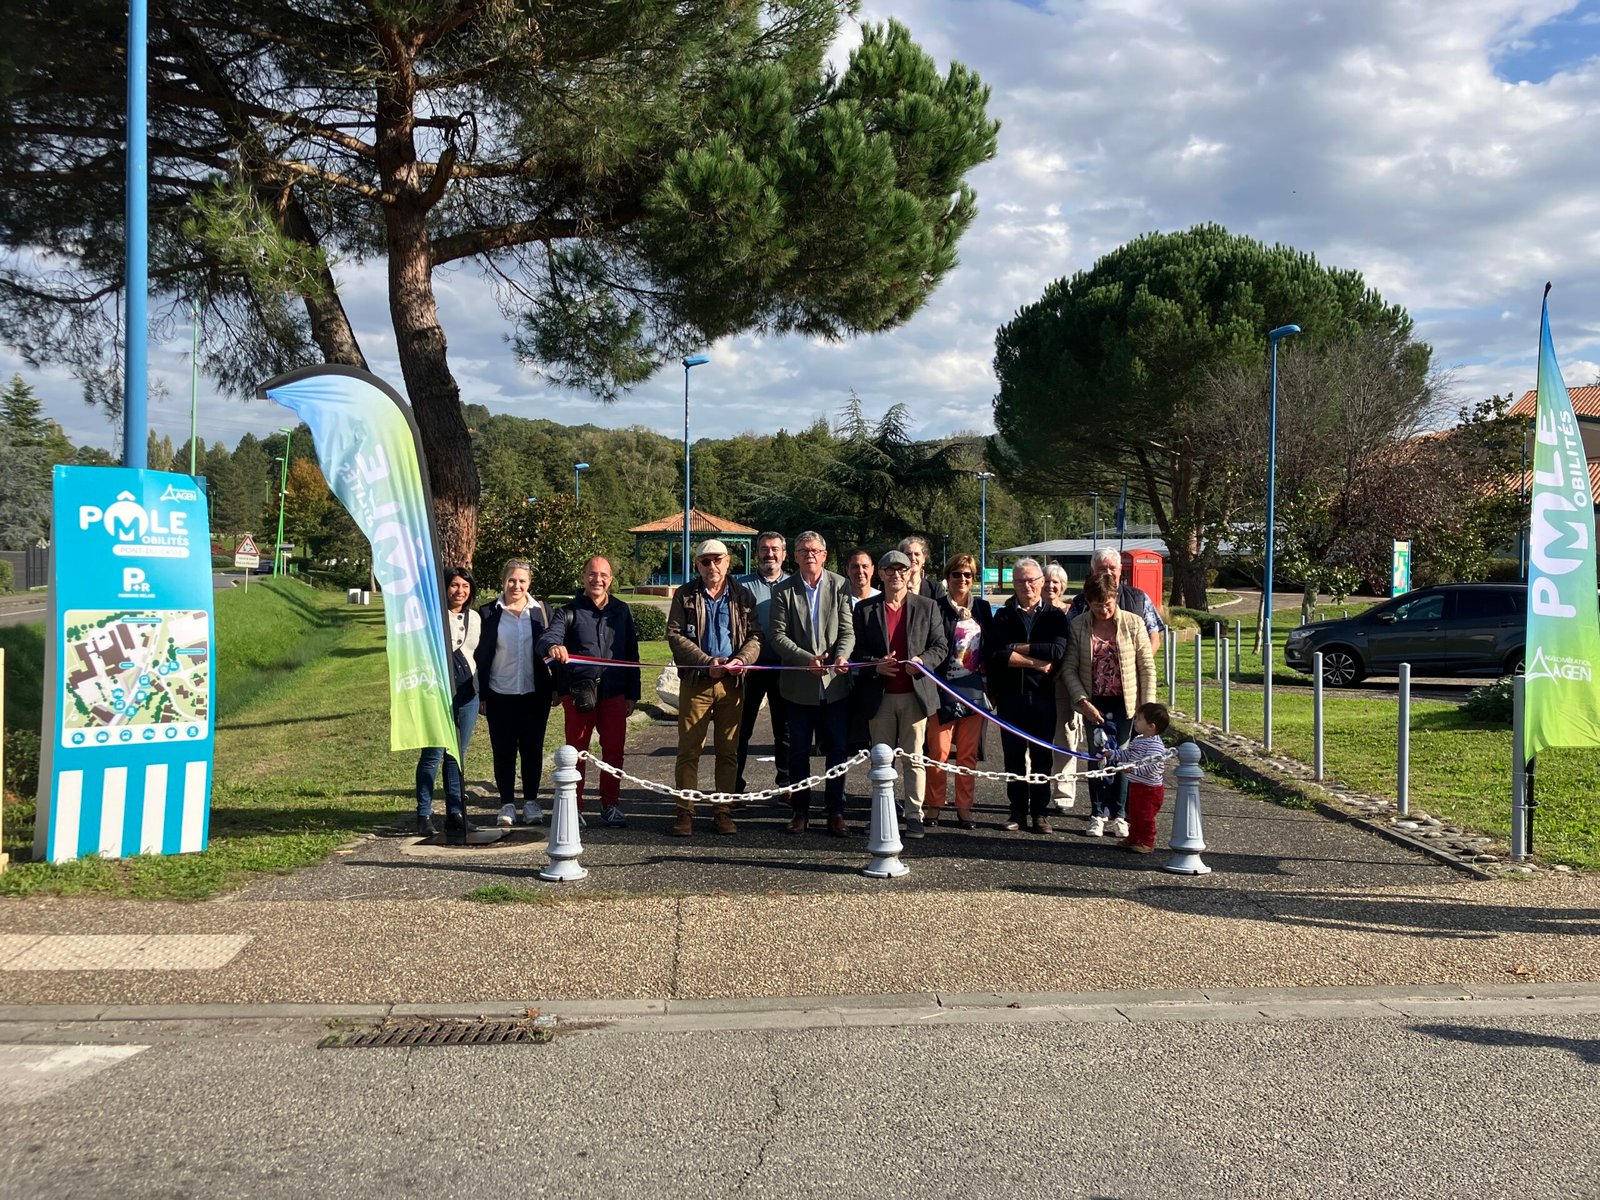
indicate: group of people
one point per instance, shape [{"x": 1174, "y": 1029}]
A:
[{"x": 880, "y": 654}]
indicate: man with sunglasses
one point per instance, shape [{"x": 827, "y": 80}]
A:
[{"x": 713, "y": 633}]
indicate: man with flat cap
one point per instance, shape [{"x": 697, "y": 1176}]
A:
[
  {"x": 713, "y": 633},
  {"x": 894, "y": 631}
]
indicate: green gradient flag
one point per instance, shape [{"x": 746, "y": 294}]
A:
[
  {"x": 1563, "y": 702},
  {"x": 367, "y": 447}
]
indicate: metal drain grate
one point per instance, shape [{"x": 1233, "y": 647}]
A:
[{"x": 522, "y": 1032}]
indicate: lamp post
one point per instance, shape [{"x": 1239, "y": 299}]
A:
[
  {"x": 1047, "y": 528},
  {"x": 1273, "y": 338},
  {"x": 577, "y": 481},
  {"x": 983, "y": 527},
  {"x": 283, "y": 490},
  {"x": 194, "y": 381},
  {"x": 1094, "y": 539},
  {"x": 693, "y": 361}
]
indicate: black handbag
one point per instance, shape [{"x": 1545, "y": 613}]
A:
[
  {"x": 585, "y": 694},
  {"x": 972, "y": 699},
  {"x": 466, "y": 683}
]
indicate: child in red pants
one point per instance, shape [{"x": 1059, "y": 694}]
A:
[{"x": 1146, "y": 788}]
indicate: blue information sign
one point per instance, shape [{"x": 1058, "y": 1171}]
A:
[{"x": 129, "y": 701}]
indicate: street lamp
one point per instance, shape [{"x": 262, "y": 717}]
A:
[
  {"x": 194, "y": 382},
  {"x": 694, "y": 360},
  {"x": 983, "y": 527},
  {"x": 577, "y": 478},
  {"x": 1282, "y": 331},
  {"x": 283, "y": 489}
]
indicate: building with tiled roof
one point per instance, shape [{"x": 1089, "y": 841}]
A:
[
  {"x": 669, "y": 529},
  {"x": 1586, "y": 407}
]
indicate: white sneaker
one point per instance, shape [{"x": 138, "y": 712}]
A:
[
  {"x": 508, "y": 816},
  {"x": 1097, "y": 827},
  {"x": 532, "y": 814},
  {"x": 1119, "y": 828}
]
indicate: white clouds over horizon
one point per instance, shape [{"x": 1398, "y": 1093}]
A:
[{"x": 1441, "y": 150}]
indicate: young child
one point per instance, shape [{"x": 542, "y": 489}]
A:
[{"x": 1145, "y": 786}]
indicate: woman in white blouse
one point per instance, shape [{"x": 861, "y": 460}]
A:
[{"x": 462, "y": 629}]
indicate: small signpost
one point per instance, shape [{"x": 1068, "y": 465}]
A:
[{"x": 246, "y": 557}]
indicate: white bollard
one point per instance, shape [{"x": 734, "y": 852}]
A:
[
  {"x": 366, "y": 596},
  {"x": 566, "y": 847},
  {"x": 1218, "y": 651},
  {"x": 1171, "y": 643},
  {"x": 1238, "y": 646},
  {"x": 1188, "y": 839},
  {"x": 883, "y": 833},
  {"x": 1403, "y": 765},
  {"x": 1199, "y": 676},
  {"x": 1227, "y": 693},
  {"x": 353, "y": 596},
  {"x": 1316, "y": 716}
]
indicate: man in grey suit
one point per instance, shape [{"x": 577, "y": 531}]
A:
[
  {"x": 894, "y": 698},
  {"x": 811, "y": 628}
]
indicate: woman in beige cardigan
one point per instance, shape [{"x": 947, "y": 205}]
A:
[{"x": 1109, "y": 671}]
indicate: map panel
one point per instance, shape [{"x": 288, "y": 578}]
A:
[{"x": 135, "y": 676}]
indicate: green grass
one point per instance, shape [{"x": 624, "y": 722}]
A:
[{"x": 1460, "y": 768}]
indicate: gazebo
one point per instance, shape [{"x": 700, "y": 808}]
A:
[{"x": 702, "y": 525}]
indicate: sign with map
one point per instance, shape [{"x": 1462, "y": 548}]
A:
[{"x": 130, "y": 694}]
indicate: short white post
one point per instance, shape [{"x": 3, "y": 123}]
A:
[
  {"x": 1171, "y": 643},
  {"x": 566, "y": 847},
  {"x": 1238, "y": 644},
  {"x": 883, "y": 833},
  {"x": 1218, "y": 654},
  {"x": 1316, "y": 716},
  {"x": 1519, "y": 767},
  {"x": 1227, "y": 692},
  {"x": 1199, "y": 676},
  {"x": 1188, "y": 839},
  {"x": 1403, "y": 766}
]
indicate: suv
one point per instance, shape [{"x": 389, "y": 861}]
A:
[{"x": 1452, "y": 629}]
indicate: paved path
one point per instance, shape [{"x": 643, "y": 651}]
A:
[{"x": 1294, "y": 901}]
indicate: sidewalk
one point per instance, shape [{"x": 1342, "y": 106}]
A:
[{"x": 1294, "y": 901}]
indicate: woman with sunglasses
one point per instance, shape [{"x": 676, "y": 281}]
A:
[{"x": 958, "y": 725}]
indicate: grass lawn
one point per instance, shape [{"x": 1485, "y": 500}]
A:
[
  {"x": 1460, "y": 768},
  {"x": 302, "y": 751}
]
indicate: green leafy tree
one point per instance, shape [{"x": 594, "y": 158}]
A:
[
  {"x": 22, "y": 414},
  {"x": 1106, "y": 375},
  {"x": 24, "y": 494},
  {"x": 636, "y": 180},
  {"x": 550, "y": 533}
]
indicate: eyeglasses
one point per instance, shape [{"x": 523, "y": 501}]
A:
[
  {"x": 960, "y": 575},
  {"x": 893, "y": 570},
  {"x": 711, "y": 560},
  {"x": 811, "y": 551},
  {"x": 1030, "y": 580}
]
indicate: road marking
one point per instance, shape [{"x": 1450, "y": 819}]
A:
[
  {"x": 119, "y": 952},
  {"x": 28, "y": 1073}
]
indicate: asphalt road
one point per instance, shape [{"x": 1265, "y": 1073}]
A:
[{"x": 1391, "y": 1108}]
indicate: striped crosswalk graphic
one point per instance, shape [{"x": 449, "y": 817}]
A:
[{"x": 120, "y": 811}]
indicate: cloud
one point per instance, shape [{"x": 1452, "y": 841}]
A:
[{"x": 1442, "y": 150}]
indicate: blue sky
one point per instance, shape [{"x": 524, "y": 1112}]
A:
[{"x": 1443, "y": 149}]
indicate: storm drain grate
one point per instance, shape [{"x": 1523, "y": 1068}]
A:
[{"x": 520, "y": 1032}]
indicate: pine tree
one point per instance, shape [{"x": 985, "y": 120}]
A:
[{"x": 22, "y": 414}]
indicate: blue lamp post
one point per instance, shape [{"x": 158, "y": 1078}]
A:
[
  {"x": 983, "y": 527},
  {"x": 577, "y": 481},
  {"x": 694, "y": 360},
  {"x": 1273, "y": 338}
]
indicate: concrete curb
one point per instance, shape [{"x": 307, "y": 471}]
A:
[
  {"x": 1318, "y": 799},
  {"x": 1264, "y": 1005}
]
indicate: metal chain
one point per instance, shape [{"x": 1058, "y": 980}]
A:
[
  {"x": 694, "y": 795},
  {"x": 1066, "y": 775}
]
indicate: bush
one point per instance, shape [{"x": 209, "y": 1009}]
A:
[
  {"x": 1198, "y": 618},
  {"x": 650, "y": 621},
  {"x": 8, "y": 575},
  {"x": 1492, "y": 703},
  {"x": 22, "y": 762}
]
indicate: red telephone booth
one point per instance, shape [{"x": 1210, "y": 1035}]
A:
[{"x": 1143, "y": 569}]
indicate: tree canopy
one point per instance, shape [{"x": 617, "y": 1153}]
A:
[
  {"x": 1107, "y": 373},
  {"x": 633, "y": 181}
]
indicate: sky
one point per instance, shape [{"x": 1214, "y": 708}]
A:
[{"x": 1438, "y": 148}]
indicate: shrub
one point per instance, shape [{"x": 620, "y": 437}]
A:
[
  {"x": 1492, "y": 703},
  {"x": 650, "y": 621},
  {"x": 1197, "y": 617},
  {"x": 22, "y": 762},
  {"x": 8, "y": 575}
]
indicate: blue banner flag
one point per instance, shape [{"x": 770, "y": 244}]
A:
[
  {"x": 125, "y": 762},
  {"x": 1562, "y": 706},
  {"x": 370, "y": 453}
]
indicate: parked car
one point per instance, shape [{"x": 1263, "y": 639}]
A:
[{"x": 1451, "y": 629}]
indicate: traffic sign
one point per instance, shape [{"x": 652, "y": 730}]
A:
[{"x": 245, "y": 555}]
